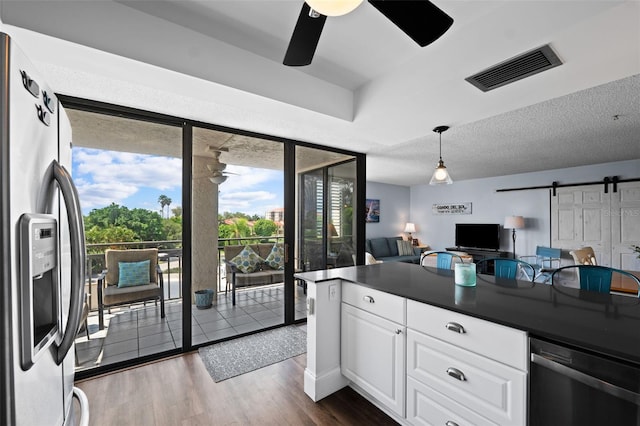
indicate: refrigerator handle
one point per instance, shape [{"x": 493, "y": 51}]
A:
[
  {"x": 84, "y": 406},
  {"x": 59, "y": 174}
]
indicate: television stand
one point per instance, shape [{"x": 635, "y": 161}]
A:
[{"x": 480, "y": 254}]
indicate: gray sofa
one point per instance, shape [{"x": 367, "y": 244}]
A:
[{"x": 386, "y": 249}]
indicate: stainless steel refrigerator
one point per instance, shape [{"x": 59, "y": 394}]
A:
[{"x": 43, "y": 251}]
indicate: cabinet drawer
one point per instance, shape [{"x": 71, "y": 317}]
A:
[
  {"x": 504, "y": 344},
  {"x": 426, "y": 406},
  {"x": 492, "y": 389},
  {"x": 383, "y": 304}
]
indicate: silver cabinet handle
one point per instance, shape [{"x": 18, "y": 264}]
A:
[
  {"x": 368, "y": 299},
  {"x": 456, "y": 374},
  {"x": 398, "y": 331},
  {"x": 454, "y": 326},
  {"x": 450, "y": 423}
]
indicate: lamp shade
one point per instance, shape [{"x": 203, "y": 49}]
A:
[
  {"x": 410, "y": 227},
  {"x": 440, "y": 175},
  {"x": 333, "y": 7},
  {"x": 513, "y": 222}
]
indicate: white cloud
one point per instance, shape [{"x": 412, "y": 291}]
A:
[
  {"x": 105, "y": 177},
  {"x": 161, "y": 173}
]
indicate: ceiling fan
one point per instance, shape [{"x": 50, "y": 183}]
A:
[
  {"x": 419, "y": 19},
  {"x": 218, "y": 175}
]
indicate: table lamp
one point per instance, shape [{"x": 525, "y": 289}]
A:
[
  {"x": 409, "y": 228},
  {"x": 514, "y": 222}
]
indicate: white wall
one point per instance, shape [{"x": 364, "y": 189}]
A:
[
  {"x": 489, "y": 206},
  {"x": 394, "y": 209}
]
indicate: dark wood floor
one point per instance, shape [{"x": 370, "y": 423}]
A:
[{"x": 179, "y": 391}]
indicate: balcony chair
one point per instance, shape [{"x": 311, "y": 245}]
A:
[
  {"x": 584, "y": 256},
  {"x": 509, "y": 268},
  {"x": 444, "y": 259},
  {"x": 544, "y": 262},
  {"x": 592, "y": 277},
  {"x": 136, "y": 285}
]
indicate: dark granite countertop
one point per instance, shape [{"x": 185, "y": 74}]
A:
[{"x": 603, "y": 323}]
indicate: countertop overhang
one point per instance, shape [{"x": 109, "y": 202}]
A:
[{"x": 603, "y": 323}]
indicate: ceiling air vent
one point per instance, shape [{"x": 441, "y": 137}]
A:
[{"x": 516, "y": 68}]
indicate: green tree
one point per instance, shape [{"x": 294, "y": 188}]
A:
[
  {"x": 177, "y": 211},
  {"x": 265, "y": 227},
  {"x": 145, "y": 224},
  {"x": 112, "y": 234},
  {"x": 226, "y": 231},
  {"x": 164, "y": 201},
  {"x": 172, "y": 228},
  {"x": 241, "y": 228}
]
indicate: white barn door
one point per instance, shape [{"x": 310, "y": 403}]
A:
[
  {"x": 581, "y": 216},
  {"x": 625, "y": 226},
  {"x": 610, "y": 223}
]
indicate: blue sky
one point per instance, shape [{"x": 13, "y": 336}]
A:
[{"x": 137, "y": 180}]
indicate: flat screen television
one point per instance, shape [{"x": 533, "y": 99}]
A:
[{"x": 478, "y": 235}]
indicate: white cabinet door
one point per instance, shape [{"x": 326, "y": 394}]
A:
[{"x": 373, "y": 356}]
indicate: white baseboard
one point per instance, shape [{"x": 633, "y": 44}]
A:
[{"x": 318, "y": 387}]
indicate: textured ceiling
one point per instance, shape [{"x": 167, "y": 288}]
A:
[
  {"x": 100, "y": 131},
  {"x": 369, "y": 89}
]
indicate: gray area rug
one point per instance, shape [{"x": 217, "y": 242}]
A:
[{"x": 235, "y": 357}]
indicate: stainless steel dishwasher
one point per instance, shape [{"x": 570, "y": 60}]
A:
[{"x": 572, "y": 387}]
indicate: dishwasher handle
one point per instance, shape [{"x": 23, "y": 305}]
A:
[{"x": 586, "y": 379}]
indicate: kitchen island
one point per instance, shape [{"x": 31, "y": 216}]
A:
[{"x": 409, "y": 301}]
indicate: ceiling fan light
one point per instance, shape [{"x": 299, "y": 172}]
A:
[
  {"x": 440, "y": 175},
  {"x": 218, "y": 179},
  {"x": 333, "y": 7}
]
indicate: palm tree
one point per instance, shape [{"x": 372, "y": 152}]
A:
[{"x": 164, "y": 201}]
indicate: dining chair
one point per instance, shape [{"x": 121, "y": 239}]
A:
[
  {"x": 584, "y": 256},
  {"x": 544, "y": 262},
  {"x": 592, "y": 277},
  {"x": 444, "y": 259},
  {"x": 509, "y": 268}
]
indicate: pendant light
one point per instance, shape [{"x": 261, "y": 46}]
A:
[{"x": 440, "y": 175}]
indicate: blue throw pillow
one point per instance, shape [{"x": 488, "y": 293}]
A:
[
  {"x": 247, "y": 260},
  {"x": 133, "y": 273},
  {"x": 275, "y": 260}
]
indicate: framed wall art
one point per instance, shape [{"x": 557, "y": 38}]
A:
[{"x": 372, "y": 210}]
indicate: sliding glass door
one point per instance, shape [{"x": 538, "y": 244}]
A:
[
  {"x": 203, "y": 196},
  {"x": 238, "y": 214},
  {"x": 326, "y": 196}
]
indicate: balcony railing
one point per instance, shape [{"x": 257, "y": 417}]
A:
[{"x": 169, "y": 259}]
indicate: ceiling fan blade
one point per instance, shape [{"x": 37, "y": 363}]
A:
[
  {"x": 421, "y": 20},
  {"x": 304, "y": 39}
]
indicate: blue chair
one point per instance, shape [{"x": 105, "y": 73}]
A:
[
  {"x": 592, "y": 277},
  {"x": 509, "y": 268},
  {"x": 544, "y": 262},
  {"x": 444, "y": 259}
]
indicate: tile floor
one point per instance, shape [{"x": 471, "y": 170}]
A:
[{"x": 138, "y": 330}]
